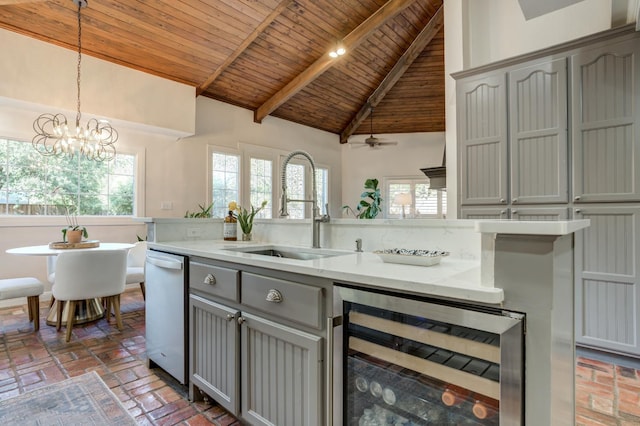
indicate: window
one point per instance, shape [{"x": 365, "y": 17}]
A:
[
  {"x": 225, "y": 183},
  {"x": 32, "y": 184},
  {"x": 423, "y": 202},
  {"x": 296, "y": 190},
  {"x": 252, "y": 175},
  {"x": 260, "y": 186}
]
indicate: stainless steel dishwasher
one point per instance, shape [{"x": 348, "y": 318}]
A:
[{"x": 166, "y": 322}]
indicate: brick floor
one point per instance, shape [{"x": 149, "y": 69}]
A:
[
  {"x": 606, "y": 394},
  {"x": 31, "y": 360}
]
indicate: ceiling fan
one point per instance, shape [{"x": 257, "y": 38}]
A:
[{"x": 373, "y": 141}]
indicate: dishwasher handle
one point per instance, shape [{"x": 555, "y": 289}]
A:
[{"x": 164, "y": 262}]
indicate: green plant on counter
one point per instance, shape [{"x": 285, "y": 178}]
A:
[
  {"x": 205, "y": 212},
  {"x": 245, "y": 219},
  {"x": 369, "y": 205}
]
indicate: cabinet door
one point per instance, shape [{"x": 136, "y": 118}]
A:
[
  {"x": 538, "y": 133},
  {"x": 282, "y": 374},
  {"x": 606, "y": 113},
  {"x": 214, "y": 351},
  {"x": 482, "y": 140},
  {"x": 607, "y": 285},
  {"x": 540, "y": 213}
]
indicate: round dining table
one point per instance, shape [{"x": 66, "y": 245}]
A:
[{"x": 87, "y": 310}]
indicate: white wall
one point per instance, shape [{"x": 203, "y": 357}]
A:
[
  {"x": 413, "y": 152},
  {"x": 45, "y": 74},
  {"x": 224, "y": 125}
]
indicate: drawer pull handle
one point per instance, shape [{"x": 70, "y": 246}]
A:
[
  {"x": 274, "y": 296},
  {"x": 230, "y": 317},
  {"x": 210, "y": 279},
  {"x": 241, "y": 320}
]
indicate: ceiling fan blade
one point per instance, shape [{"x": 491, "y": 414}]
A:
[{"x": 10, "y": 2}]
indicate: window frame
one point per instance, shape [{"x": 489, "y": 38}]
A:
[
  {"x": 248, "y": 151},
  {"x": 139, "y": 186},
  {"x": 412, "y": 181}
]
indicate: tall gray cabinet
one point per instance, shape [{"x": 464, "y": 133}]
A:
[{"x": 554, "y": 135}]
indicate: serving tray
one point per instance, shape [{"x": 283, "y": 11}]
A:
[
  {"x": 411, "y": 257},
  {"x": 81, "y": 244}
]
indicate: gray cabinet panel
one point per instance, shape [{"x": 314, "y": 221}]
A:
[
  {"x": 605, "y": 117},
  {"x": 540, "y": 213},
  {"x": 607, "y": 283},
  {"x": 538, "y": 133},
  {"x": 483, "y": 140},
  {"x": 214, "y": 345},
  {"x": 282, "y": 382},
  {"x": 478, "y": 213}
]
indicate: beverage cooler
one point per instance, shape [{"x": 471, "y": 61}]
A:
[{"x": 408, "y": 361}]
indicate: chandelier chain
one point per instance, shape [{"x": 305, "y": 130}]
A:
[{"x": 78, "y": 115}]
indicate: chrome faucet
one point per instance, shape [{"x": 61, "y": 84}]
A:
[{"x": 316, "y": 218}]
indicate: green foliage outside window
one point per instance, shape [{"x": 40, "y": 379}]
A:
[{"x": 31, "y": 184}]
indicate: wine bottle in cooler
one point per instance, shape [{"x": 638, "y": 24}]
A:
[
  {"x": 454, "y": 395},
  {"x": 485, "y": 407}
]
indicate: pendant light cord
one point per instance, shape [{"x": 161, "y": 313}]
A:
[{"x": 79, "y": 60}]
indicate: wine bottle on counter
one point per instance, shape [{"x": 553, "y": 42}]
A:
[
  {"x": 230, "y": 227},
  {"x": 454, "y": 395}
]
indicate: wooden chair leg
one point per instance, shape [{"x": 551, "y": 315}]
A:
[
  {"x": 116, "y": 309},
  {"x": 30, "y": 308},
  {"x": 142, "y": 288},
  {"x": 70, "y": 317},
  {"x": 107, "y": 301},
  {"x": 53, "y": 300},
  {"x": 34, "y": 311},
  {"x": 59, "y": 315}
]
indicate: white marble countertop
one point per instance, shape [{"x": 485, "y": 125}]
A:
[{"x": 452, "y": 278}]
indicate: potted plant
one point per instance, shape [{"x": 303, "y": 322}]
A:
[
  {"x": 369, "y": 205},
  {"x": 245, "y": 218},
  {"x": 73, "y": 233}
]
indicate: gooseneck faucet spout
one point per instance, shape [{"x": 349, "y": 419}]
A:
[{"x": 316, "y": 218}]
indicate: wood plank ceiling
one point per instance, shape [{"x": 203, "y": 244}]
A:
[{"x": 270, "y": 56}]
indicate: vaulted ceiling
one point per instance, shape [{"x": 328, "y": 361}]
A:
[{"x": 270, "y": 56}]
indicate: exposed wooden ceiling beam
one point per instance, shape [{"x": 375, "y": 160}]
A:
[
  {"x": 243, "y": 46},
  {"x": 405, "y": 61},
  {"x": 8, "y": 2},
  {"x": 350, "y": 42}
]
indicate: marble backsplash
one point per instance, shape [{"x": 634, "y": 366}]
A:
[{"x": 455, "y": 236}]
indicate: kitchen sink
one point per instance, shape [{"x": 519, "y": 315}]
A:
[{"x": 286, "y": 252}]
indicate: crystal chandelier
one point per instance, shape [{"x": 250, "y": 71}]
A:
[{"x": 54, "y": 137}]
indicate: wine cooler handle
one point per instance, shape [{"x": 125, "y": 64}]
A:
[{"x": 329, "y": 372}]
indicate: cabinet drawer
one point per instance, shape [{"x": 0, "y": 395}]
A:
[
  {"x": 214, "y": 280},
  {"x": 297, "y": 302}
]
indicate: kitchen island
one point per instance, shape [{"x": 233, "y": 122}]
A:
[{"x": 524, "y": 267}]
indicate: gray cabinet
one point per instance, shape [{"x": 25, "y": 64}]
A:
[
  {"x": 606, "y": 114},
  {"x": 538, "y": 133},
  {"x": 573, "y": 113},
  {"x": 214, "y": 350},
  {"x": 482, "y": 139},
  {"x": 281, "y": 367},
  {"x": 607, "y": 255},
  {"x": 256, "y": 343},
  {"x": 513, "y": 136}
]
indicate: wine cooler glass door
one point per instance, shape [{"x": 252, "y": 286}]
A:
[{"x": 410, "y": 362}]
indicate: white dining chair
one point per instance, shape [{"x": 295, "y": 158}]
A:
[
  {"x": 86, "y": 275},
  {"x": 135, "y": 265}
]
